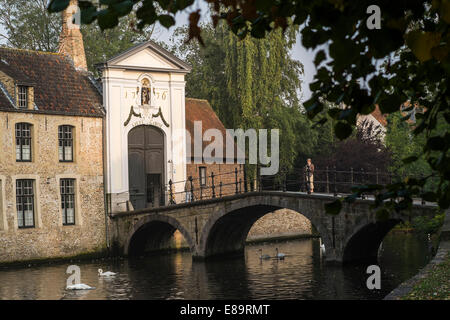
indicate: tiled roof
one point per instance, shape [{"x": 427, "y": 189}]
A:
[
  {"x": 200, "y": 110},
  {"x": 5, "y": 103},
  {"x": 58, "y": 87}
]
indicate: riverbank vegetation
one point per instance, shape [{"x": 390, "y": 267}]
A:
[
  {"x": 435, "y": 285},
  {"x": 423, "y": 224}
]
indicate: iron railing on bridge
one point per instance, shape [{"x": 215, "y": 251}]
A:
[{"x": 328, "y": 180}]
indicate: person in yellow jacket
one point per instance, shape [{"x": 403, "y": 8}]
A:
[{"x": 309, "y": 170}]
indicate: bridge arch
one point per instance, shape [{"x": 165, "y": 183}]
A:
[
  {"x": 226, "y": 231},
  {"x": 362, "y": 245},
  {"x": 153, "y": 232}
]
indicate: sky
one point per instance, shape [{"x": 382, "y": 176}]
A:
[{"x": 306, "y": 57}]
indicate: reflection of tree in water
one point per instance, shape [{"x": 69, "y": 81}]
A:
[
  {"x": 228, "y": 279},
  {"x": 148, "y": 275}
]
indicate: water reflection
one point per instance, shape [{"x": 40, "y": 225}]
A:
[{"x": 301, "y": 275}]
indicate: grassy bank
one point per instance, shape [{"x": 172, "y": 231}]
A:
[{"x": 435, "y": 285}]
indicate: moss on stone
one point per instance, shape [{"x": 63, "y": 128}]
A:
[{"x": 101, "y": 252}]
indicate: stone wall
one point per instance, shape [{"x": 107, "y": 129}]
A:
[
  {"x": 50, "y": 238},
  {"x": 283, "y": 222}
]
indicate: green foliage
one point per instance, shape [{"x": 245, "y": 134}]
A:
[
  {"x": 434, "y": 284},
  {"x": 428, "y": 225},
  {"x": 413, "y": 42},
  {"x": 28, "y": 25},
  {"x": 251, "y": 83},
  {"x": 403, "y": 144}
]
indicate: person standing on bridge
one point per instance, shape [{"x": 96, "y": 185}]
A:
[
  {"x": 309, "y": 175},
  {"x": 187, "y": 190}
]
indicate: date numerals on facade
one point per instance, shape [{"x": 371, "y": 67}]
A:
[{"x": 160, "y": 94}]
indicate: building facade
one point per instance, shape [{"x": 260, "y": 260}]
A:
[
  {"x": 51, "y": 170},
  {"x": 150, "y": 132},
  {"x": 143, "y": 94}
]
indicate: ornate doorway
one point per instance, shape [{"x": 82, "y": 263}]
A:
[{"x": 146, "y": 167}]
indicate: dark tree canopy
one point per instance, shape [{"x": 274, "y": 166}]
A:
[{"x": 364, "y": 150}]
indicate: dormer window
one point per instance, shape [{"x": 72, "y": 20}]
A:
[{"x": 23, "y": 97}]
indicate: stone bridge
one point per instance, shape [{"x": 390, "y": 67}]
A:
[{"x": 216, "y": 227}]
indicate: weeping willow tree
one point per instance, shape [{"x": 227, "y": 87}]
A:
[{"x": 250, "y": 83}]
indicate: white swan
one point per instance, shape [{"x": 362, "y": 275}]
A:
[
  {"x": 263, "y": 256},
  {"x": 79, "y": 286},
  {"x": 322, "y": 248},
  {"x": 105, "y": 274},
  {"x": 280, "y": 255}
]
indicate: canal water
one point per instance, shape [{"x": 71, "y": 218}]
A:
[{"x": 302, "y": 275}]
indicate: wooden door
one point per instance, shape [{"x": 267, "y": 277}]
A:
[{"x": 146, "y": 167}]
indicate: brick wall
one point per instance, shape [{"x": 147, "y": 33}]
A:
[{"x": 224, "y": 173}]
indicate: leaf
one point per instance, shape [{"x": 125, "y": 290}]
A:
[
  {"x": 320, "y": 122},
  {"x": 58, "y": 5},
  {"x": 441, "y": 52},
  {"x": 108, "y": 2},
  {"x": 445, "y": 11},
  {"x": 391, "y": 103},
  {"x": 435, "y": 143},
  {"x": 409, "y": 160},
  {"x": 444, "y": 199},
  {"x": 333, "y": 207},
  {"x": 334, "y": 113},
  {"x": 166, "y": 20},
  {"x": 382, "y": 214},
  {"x": 313, "y": 107},
  {"x": 429, "y": 196},
  {"x": 421, "y": 43},
  {"x": 123, "y": 7},
  {"x": 446, "y": 116},
  {"x": 107, "y": 19},
  {"x": 342, "y": 130},
  {"x": 351, "y": 198},
  {"x": 258, "y": 31},
  {"x": 320, "y": 56},
  {"x": 88, "y": 15},
  {"x": 368, "y": 109}
]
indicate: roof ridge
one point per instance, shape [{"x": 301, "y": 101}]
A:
[
  {"x": 31, "y": 51},
  {"x": 206, "y": 100}
]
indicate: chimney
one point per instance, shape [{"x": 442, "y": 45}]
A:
[{"x": 71, "y": 39}]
